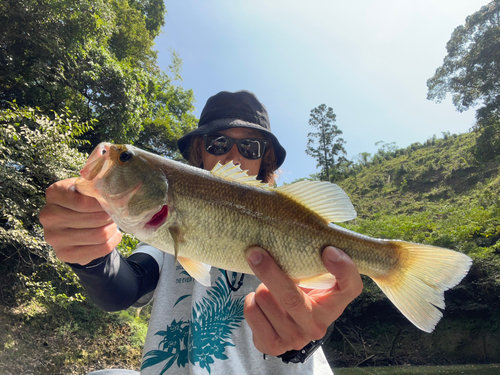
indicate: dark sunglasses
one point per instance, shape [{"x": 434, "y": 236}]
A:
[{"x": 249, "y": 148}]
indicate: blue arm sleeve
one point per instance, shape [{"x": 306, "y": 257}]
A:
[{"x": 115, "y": 283}]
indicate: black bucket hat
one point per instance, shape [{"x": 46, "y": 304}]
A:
[{"x": 226, "y": 110}]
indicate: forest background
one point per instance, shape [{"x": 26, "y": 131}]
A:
[{"x": 73, "y": 74}]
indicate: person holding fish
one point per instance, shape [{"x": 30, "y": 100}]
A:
[
  {"x": 236, "y": 266},
  {"x": 272, "y": 315}
]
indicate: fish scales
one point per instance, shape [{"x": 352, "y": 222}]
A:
[{"x": 233, "y": 218}]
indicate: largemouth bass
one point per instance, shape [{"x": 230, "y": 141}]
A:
[{"x": 211, "y": 218}]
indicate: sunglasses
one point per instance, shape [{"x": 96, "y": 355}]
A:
[{"x": 249, "y": 148}]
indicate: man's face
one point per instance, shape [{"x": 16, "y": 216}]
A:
[{"x": 253, "y": 166}]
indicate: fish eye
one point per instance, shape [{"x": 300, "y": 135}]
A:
[{"x": 126, "y": 156}]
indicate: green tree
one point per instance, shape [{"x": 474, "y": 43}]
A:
[
  {"x": 94, "y": 57},
  {"x": 171, "y": 118},
  {"x": 325, "y": 145},
  {"x": 471, "y": 73},
  {"x": 471, "y": 70},
  {"x": 36, "y": 150}
]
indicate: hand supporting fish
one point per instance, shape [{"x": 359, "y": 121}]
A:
[
  {"x": 284, "y": 317},
  {"x": 211, "y": 219}
]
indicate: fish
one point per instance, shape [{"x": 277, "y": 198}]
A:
[{"x": 210, "y": 218}]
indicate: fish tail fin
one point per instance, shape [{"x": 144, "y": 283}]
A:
[{"x": 418, "y": 282}]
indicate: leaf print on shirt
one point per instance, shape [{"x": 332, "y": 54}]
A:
[{"x": 204, "y": 339}]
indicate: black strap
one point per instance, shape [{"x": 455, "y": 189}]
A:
[
  {"x": 300, "y": 356},
  {"x": 231, "y": 283}
]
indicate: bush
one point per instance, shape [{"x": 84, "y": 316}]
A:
[{"x": 36, "y": 150}]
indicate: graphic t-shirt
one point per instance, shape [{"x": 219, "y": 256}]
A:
[{"x": 198, "y": 330}]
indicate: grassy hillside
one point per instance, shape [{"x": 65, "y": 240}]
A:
[{"x": 439, "y": 194}]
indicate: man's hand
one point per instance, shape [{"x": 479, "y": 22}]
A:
[
  {"x": 283, "y": 316},
  {"x": 76, "y": 226}
]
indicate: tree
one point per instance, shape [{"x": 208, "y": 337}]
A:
[
  {"x": 471, "y": 73},
  {"x": 171, "y": 118},
  {"x": 323, "y": 145},
  {"x": 94, "y": 57},
  {"x": 471, "y": 69},
  {"x": 36, "y": 150}
]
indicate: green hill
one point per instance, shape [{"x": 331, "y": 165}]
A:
[
  {"x": 439, "y": 194},
  {"x": 436, "y": 193}
]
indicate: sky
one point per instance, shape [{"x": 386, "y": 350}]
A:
[{"x": 367, "y": 59}]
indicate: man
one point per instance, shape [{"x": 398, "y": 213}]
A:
[{"x": 194, "y": 329}]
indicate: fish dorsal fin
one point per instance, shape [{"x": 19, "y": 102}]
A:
[
  {"x": 197, "y": 270},
  {"x": 323, "y": 281},
  {"x": 324, "y": 198},
  {"x": 232, "y": 172}
]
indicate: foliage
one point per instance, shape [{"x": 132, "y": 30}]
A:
[
  {"x": 171, "y": 119},
  {"x": 328, "y": 147},
  {"x": 35, "y": 151},
  {"x": 67, "y": 68},
  {"x": 471, "y": 73},
  {"x": 47, "y": 338},
  {"x": 488, "y": 130},
  {"x": 470, "y": 69},
  {"x": 94, "y": 57}
]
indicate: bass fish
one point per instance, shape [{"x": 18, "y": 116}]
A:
[{"x": 211, "y": 218}]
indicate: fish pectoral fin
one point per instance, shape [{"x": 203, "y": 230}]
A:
[
  {"x": 176, "y": 234},
  {"x": 324, "y": 198},
  {"x": 232, "y": 172},
  {"x": 197, "y": 270},
  {"x": 323, "y": 281}
]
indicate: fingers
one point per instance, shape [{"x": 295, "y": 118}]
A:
[
  {"x": 282, "y": 316},
  {"x": 65, "y": 236},
  {"x": 64, "y": 194},
  {"x": 279, "y": 313},
  {"x": 265, "y": 338},
  {"x": 274, "y": 331},
  {"x": 284, "y": 289},
  {"x": 84, "y": 254},
  {"x": 348, "y": 280},
  {"x": 55, "y": 215},
  {"x": 76, "y": 226}
]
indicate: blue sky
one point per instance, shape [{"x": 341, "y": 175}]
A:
[{"x": 368, "y": 60}]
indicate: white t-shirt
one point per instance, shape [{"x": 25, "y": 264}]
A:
[{"x": 198, "y": 330}]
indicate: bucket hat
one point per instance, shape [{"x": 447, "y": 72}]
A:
[{"x": 225, "y": 110}]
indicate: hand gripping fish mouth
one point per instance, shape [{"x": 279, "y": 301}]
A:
[{"x": 107, "y": 176}]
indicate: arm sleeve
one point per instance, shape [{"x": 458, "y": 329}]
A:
[{"x": 115, "y": 283}]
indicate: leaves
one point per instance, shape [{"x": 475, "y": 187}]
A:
[
  {"x": 471, "y": 73},
  {"x": 36, "y": 150},
  {"x": 96, "y": 58},
  {"x": 470, "y": 70}
]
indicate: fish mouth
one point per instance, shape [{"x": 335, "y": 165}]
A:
[{"x": 158, "y": 219}]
